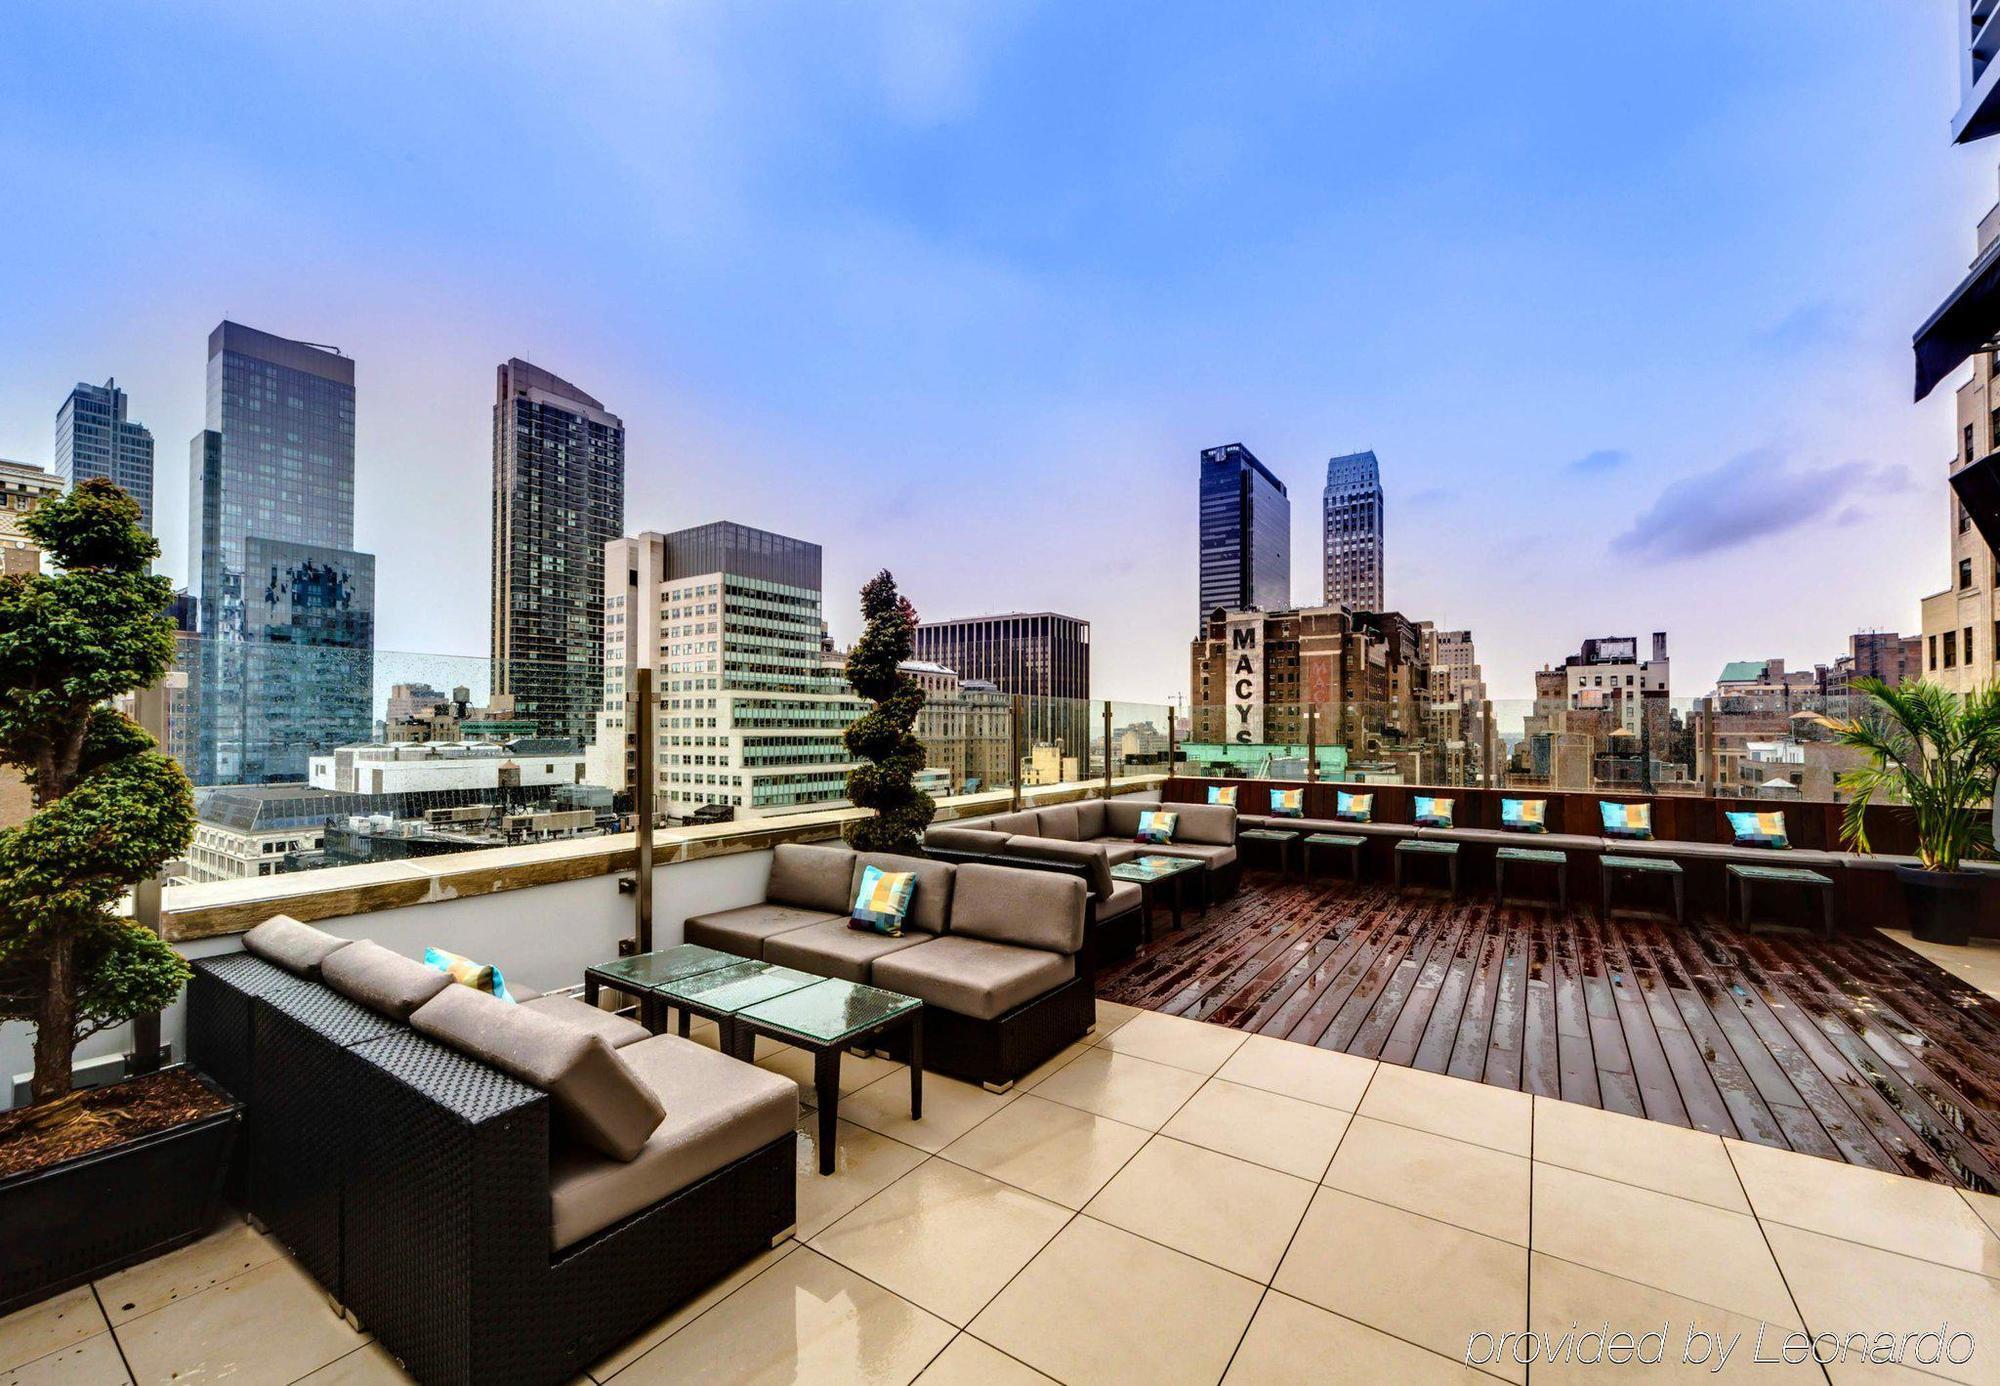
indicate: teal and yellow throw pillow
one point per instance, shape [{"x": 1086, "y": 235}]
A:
[
  {"x": 479, "y": 976},
  {"x": 1524, "y": 815},
  {"x": 1222, "y": 794},
  {"x": 1759, "y": 829},
  {"x": 1353, "y": 808},
  {"x": 883, "y": 901},
  {"x": 1157, "y": 826},
  {"x": 1288, "y": 803},
  {"x": 1433, "y": 813},
  {"x": 1633, "y": 821}
]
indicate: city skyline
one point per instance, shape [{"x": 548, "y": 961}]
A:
[{"x": 1693, "y": 363}]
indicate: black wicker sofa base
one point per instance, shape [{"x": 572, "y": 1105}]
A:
[
  {"x": 413, "y": 1182},
  {"x": 998, "y": 1052}
]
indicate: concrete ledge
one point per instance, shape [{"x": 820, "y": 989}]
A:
[{"x": 190, "y": 912}]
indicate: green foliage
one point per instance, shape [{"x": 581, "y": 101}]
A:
[
  {"x": 882, "y": 738},
  {"x": 110, "y": 809},
  {"x": 1935, "y": 751}
]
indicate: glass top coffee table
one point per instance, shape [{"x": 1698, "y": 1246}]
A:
[
  {"x": 1158, "y": 875},
  {"x": 826, "y": 1018},
  {"x": 640, "y": 974},
  {"x": 721, "y": 993}
]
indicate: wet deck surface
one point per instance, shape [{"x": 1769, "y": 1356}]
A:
[{"x": 1855, "y": 1050}]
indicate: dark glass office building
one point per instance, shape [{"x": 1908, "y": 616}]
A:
[
  {"x": 1246, "y": 534},
  {"x": 1043, "y": 656},
  {"x": 558, "y": 499},
  {"x": 285, "y": 605},
  {"x": 95, "y": 439}
]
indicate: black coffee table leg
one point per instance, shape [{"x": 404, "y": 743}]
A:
[
  {"x": 685, "y": 1022},
  {"x": 1178, "y": 881},
  {"x": 826, "y": 1091},
  {"x": 917, "y": 1066}
]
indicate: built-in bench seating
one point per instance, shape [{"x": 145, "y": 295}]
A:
[
  {"x": 498, "y": 1190},
  {"x": 996, "y": 953}
]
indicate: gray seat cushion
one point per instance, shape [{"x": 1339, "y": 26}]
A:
[
  {"x": 1118, "y": 850},
  {"x": 745, "y": 929},
  {"x": 1267, "y": 822},
  {"x": 718, "y": 1111},
  {"x": 383, "y": 980},
  {"x": 837, "y": 949},
  {"x": 810, "y": 876},
  {"x": 291, "y": 945},
  {"x": 597, "y": 1098},
  {"x": 1500, "y": 837},
  {"x": 1088, "y": 855},
  {"x": 1121, "y": 817},
  {"x": 1211, "y": 825},
  {"x": 1036, "y": 909},
  {"x": 1059, "y": 822},
  {"x": 952, "y": 838},
  {"x": 930, "y": 905},
  {"x": 974, "y": 977},
  {"x": 1215, "y": 858},
  {"x": 616, "y": 1030},
  {"x": 1125, "y": 896},
  {"x": 1727, "y": 852},
  {"x": 1026, "y": 821}
]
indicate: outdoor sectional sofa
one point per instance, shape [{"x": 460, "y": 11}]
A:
[
  {"x": 995, "y": 953},
  {"x": 499, "y": 1192},
  {"x": 1205, "y": 832}
]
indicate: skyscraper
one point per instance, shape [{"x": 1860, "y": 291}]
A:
[
  {"x": 286, "y": 607},
  {"x": 1246, "y": 534},
  {"x": 1352, "y": 510},
  {"x": 1042, "y": 656},
  {"x": 94, "y": 438},
  {"x": 558, "y": 499}
]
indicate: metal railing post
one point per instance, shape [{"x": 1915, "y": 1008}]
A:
[
  {"x": 151, "y": 706},
  {"x": 1312, "y": 743},
  {"x": 1705, "y": 711},
  {"x": 1489, "y": 771},
  {"x": 1107, "y": 749},
  {"x": 1014, "y": 746},
  {"x": 641, "y": 717},
  {"x": 1173, "y": 741}
]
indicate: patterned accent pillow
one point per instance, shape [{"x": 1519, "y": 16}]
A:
[
  {"x": 1157, "y": 826},
  {"x": 1288, "y": 803},
  {"x": 883, "y": 901},
  {"x": 1433, "y": 813},
  {"x": 1524, "y": 815},
  {"x": 479, "y": 976},
  {"x": 1760, "y": 830},
  {"x": 1353, "y": 808},
  {"x": 1634, "y": 821},
  {"x": 1222, "y": 794}
]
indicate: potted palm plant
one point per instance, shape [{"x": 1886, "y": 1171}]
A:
[
  {"x": 1937, "y": 753},
  {"x": 94, "y": 1178}
]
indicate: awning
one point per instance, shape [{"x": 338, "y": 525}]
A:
[
  {"x": 1968, "y": 321},
  {"x": 1978, "y": 488}
]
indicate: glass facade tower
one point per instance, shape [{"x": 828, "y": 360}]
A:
[
  {"x": 285, "y": 606},
  {"x": 558, "y": 499},
  {"x": 95, "y": 439},
  {"x": 1246, "y": 534},
  {"x": 1352, "y": 512}
]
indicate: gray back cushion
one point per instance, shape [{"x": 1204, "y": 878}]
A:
[
  {"x": 812, "y": 877},
  {"x": 382, "y": 980},
  {"x": 596, "y": 1096},
  {"x": 952, "y": 838},
  {"x": 1121, "y": 818},
  {"x": 1090, "y": 856},
  {"x": 1059, "y": 822},
  {"x": 1089, "y": 819},
  {"x": 1023, "y": 822},
  {"x": 1034, "y": 909},
  {"x": 291, "y": 945},
  {"x": 1212, "y": 825},
  {"x": 930, "y": 907}
]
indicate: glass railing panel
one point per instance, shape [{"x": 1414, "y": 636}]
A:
[{"x": 1140, "y": 737}]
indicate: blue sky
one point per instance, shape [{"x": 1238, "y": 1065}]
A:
[{"x": 1623, "y": 303}]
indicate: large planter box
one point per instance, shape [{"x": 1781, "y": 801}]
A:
[{"x": 73, "y": 1222}]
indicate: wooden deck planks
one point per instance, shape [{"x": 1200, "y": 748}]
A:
[{"x": 1856, "y": 1049}]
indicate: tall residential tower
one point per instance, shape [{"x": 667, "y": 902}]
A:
[
  {"x": 95, "y": 439},
  {"x": 558, "y": 499},
  {"x": 1246, "y": 534},
  {"x": 286, "y": 607},
  {"x": 1352, "y": 511}
]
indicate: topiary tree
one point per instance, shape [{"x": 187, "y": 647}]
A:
[
  {"x": 881, "y": 738},
  {"x": 110, "y": 809}
]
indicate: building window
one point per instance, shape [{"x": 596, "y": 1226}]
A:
[
  {"x": 1968, "y": 644},
  {"x": 1968, "y": 442},
  {"x": 1933, "y": 652},
  {"x": 1964, "y": 573},
  {"x": 1951, "y": 649}
]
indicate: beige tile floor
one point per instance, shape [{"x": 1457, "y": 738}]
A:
[{"x": 1186, "y": 1204}]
